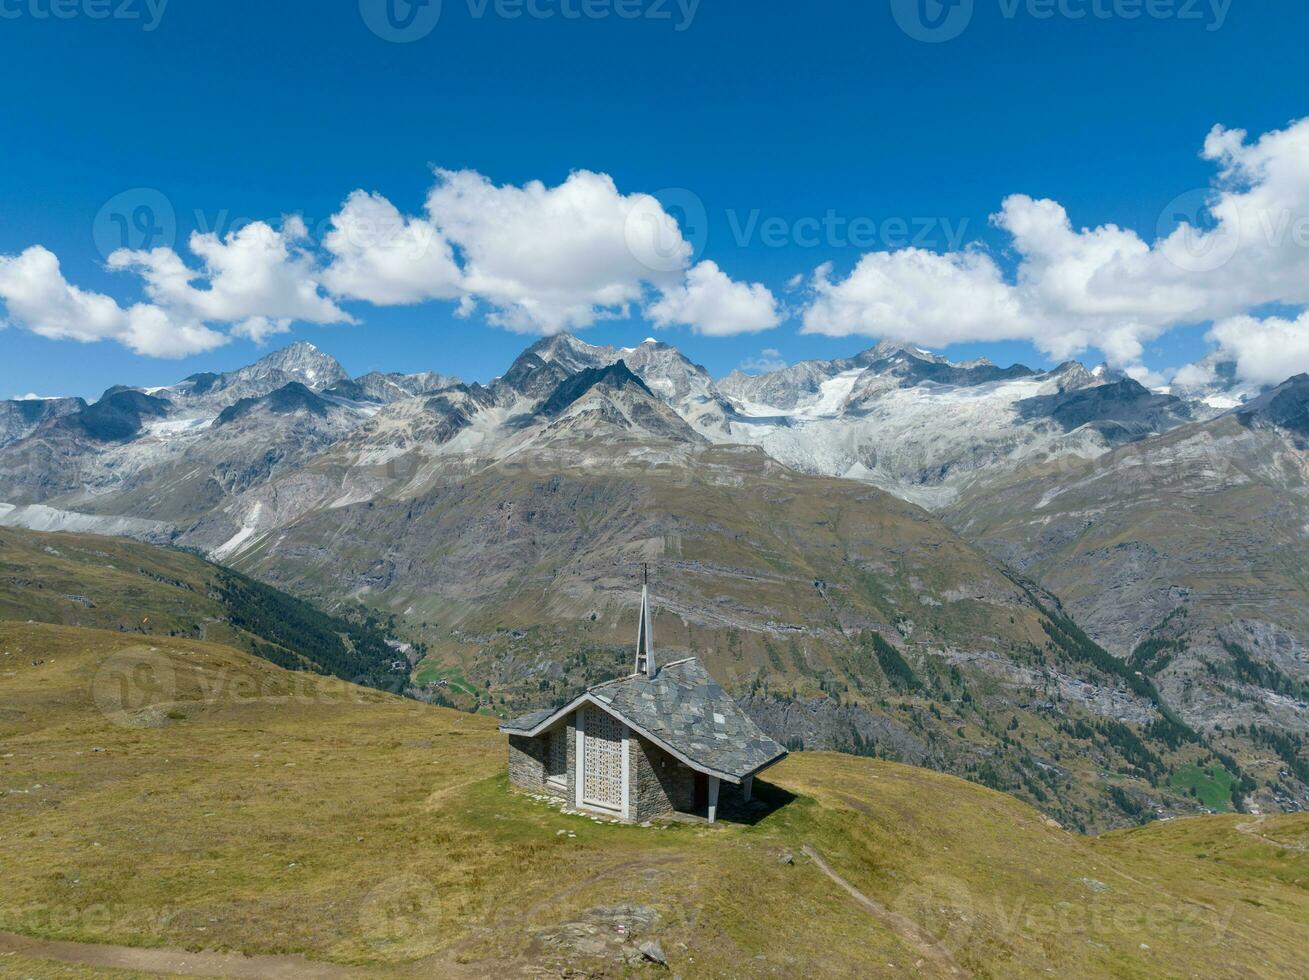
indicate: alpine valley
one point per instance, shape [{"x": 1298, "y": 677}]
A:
[{"x": 1060, "y": 583}]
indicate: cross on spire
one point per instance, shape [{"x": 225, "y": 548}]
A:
[{"x": 645, "y": 658}]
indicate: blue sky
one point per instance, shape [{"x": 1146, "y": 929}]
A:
[{"x": 757, "y": 111}]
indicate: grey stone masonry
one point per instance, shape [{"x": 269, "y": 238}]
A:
[
  {"x": 527, "y": 762},
  {"x": 658, "y": 783}
]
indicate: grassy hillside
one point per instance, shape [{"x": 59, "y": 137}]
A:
[
  {"x": 846, "y": 618},
  {"x": 115, "y": 583},
  {"x": 173, "y": 793}
]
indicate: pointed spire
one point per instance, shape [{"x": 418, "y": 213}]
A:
[{"x": 645, "y": 659}]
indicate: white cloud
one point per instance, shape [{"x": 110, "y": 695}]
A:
[
  {"x": 1266, "y": 351},
  {"x": 917, "y": 295},
  {"x": 40, "y": 299},
  {"x": 539, "y": 259},
  {"x": 255, "y": 271},
  {"x": 386, "y": 258},
  {"x": 546, "y": 259},
  {"x": 1199, "y": 373},
  {"x": 257, "y": 279},
  {"x": 260, "y": 328},
  {"x": 712, "y": 304},
  {"x": 158, "y": 333},
  {"x": 1105, "y": 286},
  {"x": 768, "y": 359}
]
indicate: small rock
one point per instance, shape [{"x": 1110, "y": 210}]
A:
[
  {"x": 786, "y": 857},
  {"x": 653, "y": 952}
]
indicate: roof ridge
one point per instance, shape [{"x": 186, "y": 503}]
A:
[{"x": 616, "y": 680}]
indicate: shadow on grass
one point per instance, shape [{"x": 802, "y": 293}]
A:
[{"x": 767, "y": 800}]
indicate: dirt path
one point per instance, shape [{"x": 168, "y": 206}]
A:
[
  {"x": 174, "y": 962},
  {"x": 905, "y": 928},
  {"x": 437, "y": 797},
  {"x": 1252, "y": 828}
]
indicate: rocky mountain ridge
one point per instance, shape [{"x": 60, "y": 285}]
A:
[{"x": 522, "y": 502}]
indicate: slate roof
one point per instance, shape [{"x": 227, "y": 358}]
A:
[
  {"x": 684, "y": 707},
  {"x": 525, "y": 723}
]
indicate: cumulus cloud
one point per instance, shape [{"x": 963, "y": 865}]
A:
[
  {"x": 538, "y": 259},
  {"x": 541, "y": 259},
  {"x": 1220, "y": 252},
  {"x": 256, "y": 271},
  {"x": 712, "y": 304},
  {"x": 256, "y": 280},
  {"x": 546, "y": 259},
  {"x": 1266, "y": 351},
  {"x": 925, "y": 297},
  {"x": 260, "y": 328},
  {"x": 768, "y": 359},
  {"x": 40, "y": 299},
  {"x": 382, "y": 256}
]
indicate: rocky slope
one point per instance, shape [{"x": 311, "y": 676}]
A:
[
  {"x": 502, "y": 524},
  {"x": 1184, "y": 552},
  {"x": 925, "y": 429},
  {"x": 19, "y": 418},
  {"x": 509, "y": 535}
]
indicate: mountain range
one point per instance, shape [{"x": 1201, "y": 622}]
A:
[{"x": 1032, "y": 578}]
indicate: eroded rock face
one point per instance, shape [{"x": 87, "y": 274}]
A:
[
  {"x": 621, "y": 934},
  {"x": 19, "y": 418},
  {"x": 823, "y": 724},
  {"x": 520, "y": 503}
]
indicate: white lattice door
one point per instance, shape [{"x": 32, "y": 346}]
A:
[{"x": 602, "y": 781}]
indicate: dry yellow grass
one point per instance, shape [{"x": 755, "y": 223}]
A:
[{"x": 180, "y": 794}]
